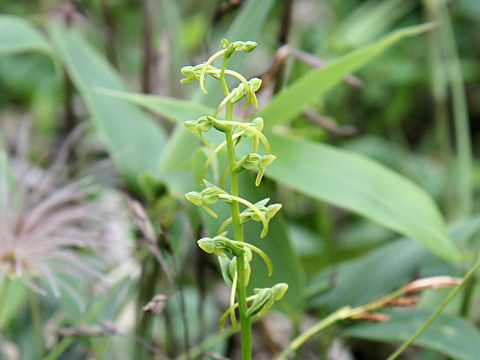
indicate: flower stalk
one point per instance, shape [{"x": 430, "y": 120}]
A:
[
  {"x": 399, "y": 297},
  {"x": 235, "y": 255}
]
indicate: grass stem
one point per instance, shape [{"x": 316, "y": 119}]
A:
[
  {"x": 3, "y": 297},
  {"x": 437, "y": 312},
  {"x": 37, "y": 323},
  {"x": 460, "y": 115}
]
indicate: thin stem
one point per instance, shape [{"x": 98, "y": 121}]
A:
[
  {"x": 250, "y": 128},
  {"x": 242, "y": 305},
  {"x": 237, "y": 231},
  {"x": 214, "y": 154},
  {"x": 223, "y": 103},
  {"x": 37, "y": 323},
  {"x": 3, "y": 297},
  {"x": 439, "y": 90},
  {"x": 224, "y": 225},
  {"x": 460, "y": 116},
  {"x": 467, "y": 297},
  {"x": 238, "y": 234},
  {"x": 110, "y": 32},
  {"x": 149, "y": 57},
  {"x": 223, "y": 177},
  {"x": 212, "y": 58},
  {"x": 437, "y": 312},
  {"x": 221, "y": 74},
  {"x": 341, "y": 314},
  {"x": 237, "y": 199},
  {"x": 233, "y": 317},
  {"x": 262, "y": 254}
]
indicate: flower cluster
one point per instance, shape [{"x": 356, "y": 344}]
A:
[{"x": 235, "y": 255}]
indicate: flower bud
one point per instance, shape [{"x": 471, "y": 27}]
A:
[
  {"x": 258, "y": 123},
  {"x": 194, "y": 197},
  {"x": 204, "y": 123},
  {"x": 248, "y": 46},
  {"x": 255, "y": 83},
  {"x": 272, "y": 210},
  {"x": 239, "y": 92},
  {"x": 265, "y": 298},
  {"x": 189, "y": 73},
  {"x": 220, "y": 246},
  {"x": 250, "y": 161}
]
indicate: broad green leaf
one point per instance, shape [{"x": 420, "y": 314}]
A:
[
  {"x": 372, "y": 276},
  {"x": 18, "y": 35},
  {"x": 182, "y": 143},
  {"x": 290, "y": 102},
  {"x": 351, "y": 243},
  {"x": 133, "y": 139},
  {"x": 361, "y": 185},
  {"x": 388, "y": 268},
  {"x": 173, "y": 109},
  {"x": 450, "y": 335},
  {"x": 368, "y": 21}
]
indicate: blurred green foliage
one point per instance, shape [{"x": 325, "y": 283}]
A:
[{"x": 390, "y": 151}]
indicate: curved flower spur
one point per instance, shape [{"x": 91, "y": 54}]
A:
[{"x": 235, "y": 254}]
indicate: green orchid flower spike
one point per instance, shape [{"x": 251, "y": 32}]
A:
[{"x": 235, "y": 254}]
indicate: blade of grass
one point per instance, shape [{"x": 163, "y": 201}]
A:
[
  {"x": 437, "y": 312},
  {"x": 359, "y": 184},
  {"x": 18, "y": 35},
  {"x": 132, "y": 137},
  {"x": 291, "y": 102},
  {"x": 464, "y": 177}
]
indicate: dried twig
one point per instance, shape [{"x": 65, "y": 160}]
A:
[
  {"x": 110, "y": 32},
  {"x": 312, "y": 60},
  {"x": 149, "y": 55},
  {"x": 157, "y": 304},
  {"x": 329, "y": 124},
  {"x": 285, "y": 22}
]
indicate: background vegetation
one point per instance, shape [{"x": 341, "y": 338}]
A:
[{"x": 374, "y": 122}]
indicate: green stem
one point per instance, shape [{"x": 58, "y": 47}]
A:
[
  {"x": 338, "y": 315},
  {"x": 437, "y": 312},
  {"x": 467, "y": 297},
  {"x": 237, "y": 231},
  {"x": 209, "y": 343},
  {"x": 439, "y": 89},
  {"x": 341, "y": 314},
  {"x": 460, "y": 115},
  {"x": 238, "y": 235},
  {"x": 37, "y": 323},
  {"x": 3, "y": 297}
]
